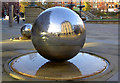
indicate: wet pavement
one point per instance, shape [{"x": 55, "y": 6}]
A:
[{"x": 101, "y": 39}]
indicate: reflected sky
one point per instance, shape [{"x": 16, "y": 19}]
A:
[
  {"x": 53, "y": 18},
  {"x": 81, "y": 65}
]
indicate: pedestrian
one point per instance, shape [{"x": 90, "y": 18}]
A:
[
  {"x": 15, "y": 17},
  {"x": 18, "y": 18},
  {"x": 3, "y": 15}
]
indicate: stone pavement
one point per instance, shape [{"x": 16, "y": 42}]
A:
[{"x": 102, "y": 39}]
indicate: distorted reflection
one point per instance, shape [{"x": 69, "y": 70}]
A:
[
  {"x": 78, "y": 29},
  {"x": 66, "y": 27},
  {"x": 67, "y": 30},
  {"x": 53, "y": 28},
  {"x": 56, "y": 70},
  {"x": 44, "y": 38},
  {"x": 35, "y": 66},
  {"x": 26, "y": 30},
  {"x": 43, "y": 33},
  {"x": 64, "y": 37}
]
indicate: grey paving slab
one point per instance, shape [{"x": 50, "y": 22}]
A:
[
  {"x": 101, "y": 39},
  {"x": 114, "y": 77},
  {"x": 16, "y": 45},
  {"x": 107, "y": 37},
  {"x": 5, "y": 56},
  {"x": 24, "y": 51},
  {"x": 6, "y": 77}
]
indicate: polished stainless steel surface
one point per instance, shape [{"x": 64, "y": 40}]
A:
[
  {"x": 26, "y": 30},
  {"x": 58, "y": 34},
  {"x": 33, "y": 65}
]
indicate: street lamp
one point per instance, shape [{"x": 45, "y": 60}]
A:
[
  {"x": 71, "y": 5},
  {"x": 80, "y": 8}
]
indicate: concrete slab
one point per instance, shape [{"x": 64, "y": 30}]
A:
[
  {"x": 114, "y": 77},
  {"x": 102, "y": 39}
]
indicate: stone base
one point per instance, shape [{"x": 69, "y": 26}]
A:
[{"x": 32, "y": 66}]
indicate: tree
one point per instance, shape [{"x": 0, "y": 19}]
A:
[
  {"x": 49, "y": 5},
  {"x": 39, "y": 4},
  {"x": 23, "y": 5},
  {"x": 87, "y": 6}
]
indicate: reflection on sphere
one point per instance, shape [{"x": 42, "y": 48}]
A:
[{"x": 26, "y": 30}]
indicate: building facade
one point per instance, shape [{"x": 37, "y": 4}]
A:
[{"x": 103, "y": 5}]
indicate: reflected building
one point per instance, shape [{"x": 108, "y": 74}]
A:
[
  {"x": 69, "y": 30},
  {"x": 78, "y": 29},
  {"x": 66, "y": 28}
]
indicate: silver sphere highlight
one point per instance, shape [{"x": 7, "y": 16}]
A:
[
  {"x": 26, "y": 30},
  {"x": 58, "y": 34}
]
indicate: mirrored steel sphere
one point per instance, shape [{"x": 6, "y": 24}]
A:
[
  {"x": 26, "y": 30},
  {"x": 58, "y": 34}
]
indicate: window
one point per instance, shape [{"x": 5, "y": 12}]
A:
[
  {"x": 112, "y": 6},
  {"x": 106, "y": 4}
]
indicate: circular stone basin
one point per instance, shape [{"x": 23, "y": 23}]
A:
[{"x": 33, "y": 66}]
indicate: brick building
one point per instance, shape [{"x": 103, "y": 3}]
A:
[{"x": 103, "y": 5}]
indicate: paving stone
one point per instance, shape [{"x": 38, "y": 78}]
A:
[
  {"x": 24, "y": 51},
  {"x": 101, "y": 39},
  {"x": 8, "y": 54}
]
